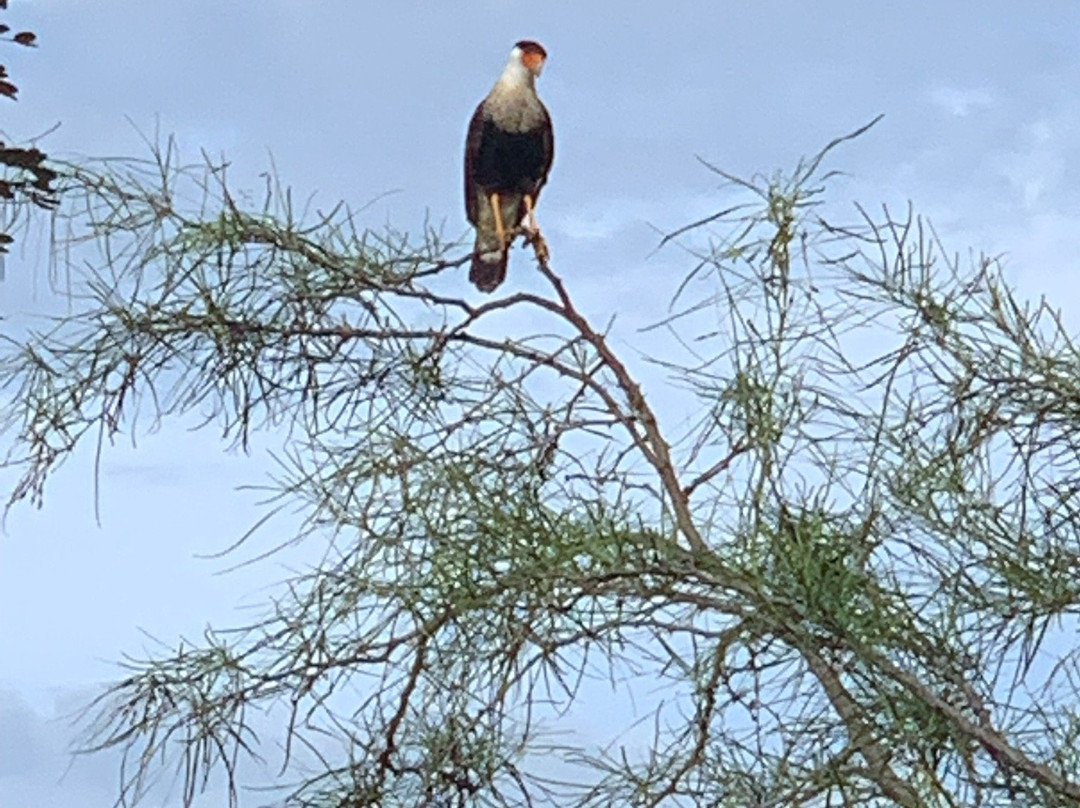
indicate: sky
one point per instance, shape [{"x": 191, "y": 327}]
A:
[{"x": 368, "y": 102}]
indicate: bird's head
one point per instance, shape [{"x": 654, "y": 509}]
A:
[{"x": 530, "y": 55}]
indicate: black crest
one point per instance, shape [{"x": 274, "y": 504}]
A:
[{"x": 530, "y": 46}]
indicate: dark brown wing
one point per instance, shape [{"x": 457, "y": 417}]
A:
[
  {"x": 549, "y": 150},
  {"x": 547, "y": 147},
  {"x": 472, "y": 149}
]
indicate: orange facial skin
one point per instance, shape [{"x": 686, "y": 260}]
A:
[{"x": 533, "y": 61}]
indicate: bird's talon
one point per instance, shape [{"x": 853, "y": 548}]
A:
[{"x": 540, "y": 247}]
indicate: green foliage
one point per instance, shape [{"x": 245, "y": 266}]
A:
[{"x": 850, "y": 579}]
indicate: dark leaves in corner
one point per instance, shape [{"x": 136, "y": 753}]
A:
[{"x": 23, "y": 173}]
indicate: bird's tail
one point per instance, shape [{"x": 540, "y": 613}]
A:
[{"x": 488, "y": 268}]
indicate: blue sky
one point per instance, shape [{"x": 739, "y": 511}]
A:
[{"x": 366, "y": 101}]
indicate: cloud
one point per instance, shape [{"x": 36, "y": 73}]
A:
[
  {"x": 1041, "y": 254},
  {"x": 1037, "y": 167},
  {"x": 602, "y": 218},
  {"x": 961, "y": 101},
  {"x": 38, "y": 730},
  {"x": 36, "y": 766}
]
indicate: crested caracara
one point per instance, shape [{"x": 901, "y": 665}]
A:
[{"x": 508, "y": 152}]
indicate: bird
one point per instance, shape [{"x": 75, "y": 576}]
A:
[{"x": 508, "y": 153}]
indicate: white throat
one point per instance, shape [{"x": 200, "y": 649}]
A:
[
  {"x": 515, "y": 74},
  {"x": 512, "y": 102}
]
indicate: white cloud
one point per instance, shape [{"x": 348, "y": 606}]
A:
[
  {"x": 961, "y": 101},
  {"x": 602, "y": 218},
  {"x": 36, "y": 767},
  {"x": 1037, "y": 166}
]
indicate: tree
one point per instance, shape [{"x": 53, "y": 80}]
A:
[
  {"x": 853, "y": 576},
  {"x": 24, "y": 174}
]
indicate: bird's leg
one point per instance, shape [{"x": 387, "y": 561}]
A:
[
  {"x": 530, "y": 211},
  {"x": 500, "y": 230},
  {"x": 532, "y": 235}
]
